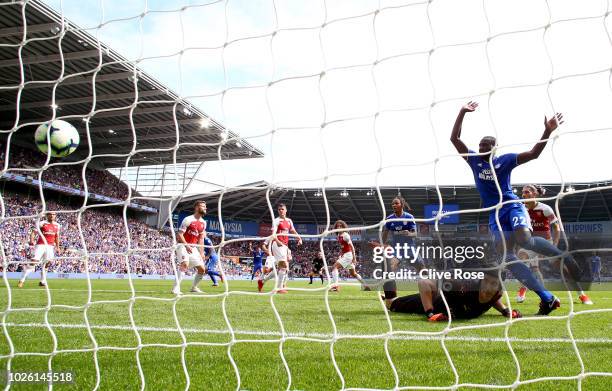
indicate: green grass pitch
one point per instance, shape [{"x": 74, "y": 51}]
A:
[{"x": 480, "y": 355}]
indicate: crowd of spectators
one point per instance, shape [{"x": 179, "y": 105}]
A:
[
  {"x": 106, "y": 247},
  {"x": 98, "y": 181},
  {"x": 105, "y": 242},
  {"x": 104, "y": 239}
]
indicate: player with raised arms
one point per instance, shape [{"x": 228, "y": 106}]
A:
[
  {"x": 48, "y": 233},
  {"x": 466, "y": 299},
  {"x": 513, "y": 217},
  {"x": 543, "y": 219},
  {"x": 258, "y": 255},
  {"x": 190, "y": 251},
  {"x": 347, "y": 259},
  {"x": 212, "y": 261}
]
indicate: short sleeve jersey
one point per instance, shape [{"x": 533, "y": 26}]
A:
[
  {"x": 542, "y": 216},
  {"x": 344, "y": 240},
  {"x": 193, "y": 229},
  {"x": 49, "y": 232},
  {"x": 282, "y": 227},
  {"x": 485, "y": 181}
]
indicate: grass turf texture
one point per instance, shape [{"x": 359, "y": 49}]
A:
[{"x": 481, "y": 355}]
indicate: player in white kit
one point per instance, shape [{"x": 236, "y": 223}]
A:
[
  {"x": 190, "y": 251},
  {"x": 48, "y": 233}
]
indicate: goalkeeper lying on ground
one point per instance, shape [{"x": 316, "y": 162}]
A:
[{"x": 467, "y": 299}]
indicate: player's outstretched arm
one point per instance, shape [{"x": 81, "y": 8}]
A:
[
  {"x": 549, "y": 126},
  {"x": 456, "y": 134},
  {"x": 505, "y": 311}
]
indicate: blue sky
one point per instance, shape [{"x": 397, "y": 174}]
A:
[{"x": 354, "y": 144}]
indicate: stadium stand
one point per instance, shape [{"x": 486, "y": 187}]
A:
[{"x": 105, "y": 236}]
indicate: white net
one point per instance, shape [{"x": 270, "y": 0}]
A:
[{"x": 335, "y": 93}]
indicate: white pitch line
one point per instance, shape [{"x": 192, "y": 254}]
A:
[
  {"x": 93, "y": 290},
  {"x": 312, "y": 335}
]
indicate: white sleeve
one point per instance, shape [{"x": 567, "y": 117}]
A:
[
  {"x": 550, "y": 213},
  {"x": 275, "y": 224},
  {"x": 346, "y": 237},
  {"x": 184, "y": 224}
]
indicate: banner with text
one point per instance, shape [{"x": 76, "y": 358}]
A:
[
  {"x": 236, "y": 228},
  {"x": 431, "y": 211}
]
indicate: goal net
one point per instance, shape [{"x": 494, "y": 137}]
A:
[{"x": 332, "y": 108}]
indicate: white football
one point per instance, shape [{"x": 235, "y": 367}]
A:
[{"x": 64, "y": 138}]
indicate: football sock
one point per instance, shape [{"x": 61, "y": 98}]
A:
[
  {"x": 527, "y": 278},
  {"x": 24, "y": 274},
  {"x": 196, "y": 280}
]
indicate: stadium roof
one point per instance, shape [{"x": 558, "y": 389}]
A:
[
  {"x": 158, "y": 113},
  {"x": 360, "y": 206}
]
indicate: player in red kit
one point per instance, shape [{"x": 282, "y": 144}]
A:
[
  {"x": 279, "y": 247},
  {"x": 347, "y": 258},
  {"x": 543, "y": 219},
  {"x": 48, "y": 233},
  {"x": 190, "y": 251}
]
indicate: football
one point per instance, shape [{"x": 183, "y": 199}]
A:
[{"x": 64, "y": 138}]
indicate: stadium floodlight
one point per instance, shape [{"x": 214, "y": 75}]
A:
[
  {"x": 224, "y": 135},
  {"x": 111, "y": 131},
  {"x": 205, "y": 122},
  {"x": 187, "y": 111},
  {"x": 344, "y": 193},
  {"x": 318, "y": 193}
]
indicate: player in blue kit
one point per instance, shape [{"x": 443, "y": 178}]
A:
[
  {"x": 513, "y": 217},
  {"x": 399, "y": 229},
  {"x": 212, "y": 261},
  {"x": 258, "y": 255},
  {"x": 596, "y": 267}
]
